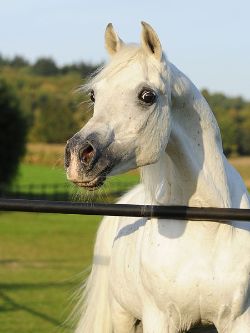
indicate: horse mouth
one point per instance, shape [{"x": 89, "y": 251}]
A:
[{"x": 93, "y": 184}]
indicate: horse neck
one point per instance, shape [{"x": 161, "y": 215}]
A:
[{"x": 192, "y": 169}]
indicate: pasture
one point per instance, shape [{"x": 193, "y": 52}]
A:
[
  {"x": 42, "y": 260},
  {"x": 44, "y": 257},
  {"x": 47, "y": 178}
]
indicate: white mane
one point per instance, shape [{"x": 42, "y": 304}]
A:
[{"x": 194, "y": 151}]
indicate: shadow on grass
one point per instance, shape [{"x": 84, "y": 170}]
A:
[
  {"x": 23, "y": 286},
  {"x": 11, "y": 305}
]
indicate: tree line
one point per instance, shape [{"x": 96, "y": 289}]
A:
[
  {"x": 233, "y": 116},
  {"x": 53, "y": 111},
  {"x": 46, "y": 66}
]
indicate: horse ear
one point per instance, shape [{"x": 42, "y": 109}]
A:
[
  {"x": 150, "y": 41},
  {"x": 112, "y": 41}
]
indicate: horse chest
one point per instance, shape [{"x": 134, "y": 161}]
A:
[
  {"x": 175, "y": 268},
  {"x": 146, "y": 264}
]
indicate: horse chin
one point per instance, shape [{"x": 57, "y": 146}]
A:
[{"x": 92, "y": 185}]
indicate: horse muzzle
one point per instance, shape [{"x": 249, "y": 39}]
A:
[{"x": 87, "y": 162}]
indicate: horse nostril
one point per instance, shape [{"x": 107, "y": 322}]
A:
[
  {"x": 67, "y": 157},
  {"x": 86, "y": 154}
]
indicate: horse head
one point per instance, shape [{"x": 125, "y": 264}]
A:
[{"x": 131, "y": 122}]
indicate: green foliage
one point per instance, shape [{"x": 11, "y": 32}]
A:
[
  {"x": 18, "y": 62},
  {"x": 233, "y": 116},
  {"x": 3, "y": 61},
  {"x": 54, "y": 119},
  {"x": 81, "y": 68},
  {"x": 46, "y": 93},
  {"x": 45, "y": 66},
  {"x": 12, "y": 133},
  {"x": 53, "y": 111},
  {"x": 244, "y": 139}
]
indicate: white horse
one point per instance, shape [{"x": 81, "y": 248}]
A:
[{"x": 168, "y": 275}]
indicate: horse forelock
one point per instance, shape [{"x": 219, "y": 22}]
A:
[{"x": 128, "y": 54}]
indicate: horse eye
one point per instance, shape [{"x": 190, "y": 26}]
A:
[
  {"x": 147, "y": 96},
  {"x": 92, "y": 96}
]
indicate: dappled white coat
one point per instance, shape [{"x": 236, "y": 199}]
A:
[{"x": 168, "y": 274}]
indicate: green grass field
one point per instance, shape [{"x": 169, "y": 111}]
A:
[
  {"x": 38, "y": 175},
  {"x": 42, "y": 260}
]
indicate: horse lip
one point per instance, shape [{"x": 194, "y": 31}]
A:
[{"x": 92, "y": 184}]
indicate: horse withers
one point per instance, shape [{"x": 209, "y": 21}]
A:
[{"x": 156, "y": 275}]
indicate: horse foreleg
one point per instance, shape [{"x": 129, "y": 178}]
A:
[
  {"x": 155, "y": 321},
  {"x": 122, "y": 321}
]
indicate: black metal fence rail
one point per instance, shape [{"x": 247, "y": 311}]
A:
[{"x": 147, "y": 211}]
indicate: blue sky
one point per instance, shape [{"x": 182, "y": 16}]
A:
[{"x": 208, "y": 40}]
